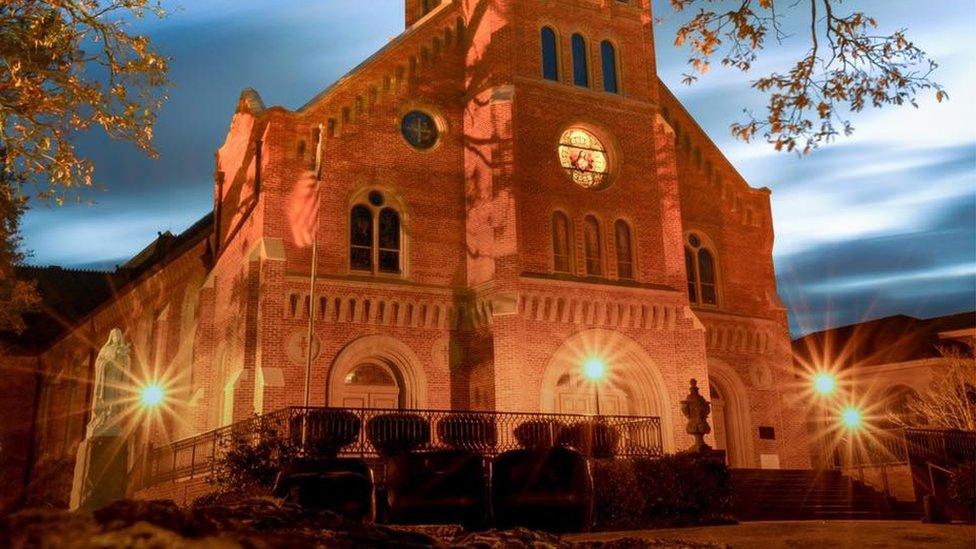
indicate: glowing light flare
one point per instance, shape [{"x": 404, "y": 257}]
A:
[
  {"x": 594, "y": 368},
  {"x": 851, "y": 418},
  {"x": 824, "y": 383},
  {"x": 152, "y": 395}
]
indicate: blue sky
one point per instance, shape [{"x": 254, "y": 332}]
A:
[{"x": 880, "y": 223}]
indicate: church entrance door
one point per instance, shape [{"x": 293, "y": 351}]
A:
[{"x": 370, "y": 385}]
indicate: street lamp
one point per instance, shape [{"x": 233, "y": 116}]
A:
[
  {"x": 851, "y": 418},
  {"x": 824, "y": 385},
  {"x": 152, "y": 395},
  {"x": 595, "y": 369}
]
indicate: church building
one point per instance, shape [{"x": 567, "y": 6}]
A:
[{"x": 503, "y": 193}]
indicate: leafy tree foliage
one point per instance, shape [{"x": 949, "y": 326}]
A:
[
  {"x": 16, "y": 296},
  {"x": 849, "y": 66},
  {"x": 69, "y": 66}
]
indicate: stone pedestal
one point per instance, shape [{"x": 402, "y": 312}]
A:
[{"x": 99, "y": 473}]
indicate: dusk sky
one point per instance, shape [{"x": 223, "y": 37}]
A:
[{"x": 880, "y": 223}]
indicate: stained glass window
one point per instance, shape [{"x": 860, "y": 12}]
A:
[
  {"x": 389, "y": 239},
  {"x": 561, "y": 243},
  {"x": 625, "y": 259},
  {"x": 375, "y": 238},
  {"x": 420, "y": 130},
  {"x": 593, "y": 248},
  {"x": 706, "y": 273},
  {"x": 584, "y": 158},
  {"x": 608, "y": 56},
  {"x": 550, "y": 63},
  {"x": 361, "y": 239}
]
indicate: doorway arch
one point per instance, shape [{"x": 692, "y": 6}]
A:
[
  {"x": 633, "y": 384},
  {"x": 378, "y": 372},
  {"x": 731, "y": 408}
]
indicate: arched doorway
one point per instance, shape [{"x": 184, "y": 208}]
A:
[
  {"x": 731, "y": 420},
  {"x": 370, "y": 385},
  {"x": 720, "y": 423},
  {"x": 631, "y": 384},
  {"x": 577, "y": 395},
  {"x": 377, "y": 372}
]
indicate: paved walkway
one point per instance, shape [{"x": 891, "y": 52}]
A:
[{"x": 816, "y": 534}]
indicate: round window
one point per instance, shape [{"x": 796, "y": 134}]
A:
[
  {"x": 420, "y": 130},
  {"x": 584, "y": 158}
]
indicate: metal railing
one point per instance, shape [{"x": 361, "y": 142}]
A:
[
  {"x": 940, "y": 446},
  {"x": 487, "y": 433}
]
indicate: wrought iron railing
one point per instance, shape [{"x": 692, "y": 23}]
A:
[{"x": 487, "y": 433}]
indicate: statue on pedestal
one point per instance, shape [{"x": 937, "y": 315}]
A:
[
  {"x": 696, "y": 409},
  {"x": 110, "y": 386},
  {"x": 100, "y": 465}
]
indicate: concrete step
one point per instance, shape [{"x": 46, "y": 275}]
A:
[{"x": 811, "y": 495}]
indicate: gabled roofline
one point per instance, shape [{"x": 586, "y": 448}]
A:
[{"x": 399, "y": 39}]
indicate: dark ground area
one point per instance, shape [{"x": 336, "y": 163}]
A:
[{"x": 265, "y": 523}]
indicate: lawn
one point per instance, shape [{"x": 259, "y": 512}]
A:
[{"x": 818, "y": 534}]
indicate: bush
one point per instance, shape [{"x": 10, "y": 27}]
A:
[
  {"x": 962, "y": 486},
  {"x": 250, "y": 458},
  {"x": 538, "y": 433},
  {"x": 676, "y": 490},
  {"x": 471, "y": 432},
  {"x": 591, "y": 438},
  {"x": 326, "y": 432},
  {"x": 397, "y": 433}
]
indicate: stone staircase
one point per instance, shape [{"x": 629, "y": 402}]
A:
[{"x": 787, "y": 494}]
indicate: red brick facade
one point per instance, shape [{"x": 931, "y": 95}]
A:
[{"x": 478, "y": 318}]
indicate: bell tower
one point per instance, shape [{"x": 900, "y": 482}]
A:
[{"x": 414, "y": 10}]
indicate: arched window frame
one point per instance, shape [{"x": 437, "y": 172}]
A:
[
  {"x": 622, "y": 265},
  {"x": 553, "y": 73},
  {"x": 570, "y": 263},
  {"x": 391, "y": 202},
  {"x": 694, "y": 269},
  {"x": 613, "y": 70},
  {"x": 579, "y": 48},
  {"x": 594, "y": 267}
]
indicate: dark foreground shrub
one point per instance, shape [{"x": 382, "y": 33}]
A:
[
  {"x": 471, "y": 432},
  {"x": 397, "y": 433},
  {"x": 326, "y": 431},
  {"x": 538, "y": 433},
  {"x": 962, "y": 487},
  {"x": 250, "y": 456},
  {"x": 591, "y": 438},
  {"x": 677, "y": 490}
]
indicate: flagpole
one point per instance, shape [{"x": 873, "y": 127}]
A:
[{"x": 311, "y": 290}]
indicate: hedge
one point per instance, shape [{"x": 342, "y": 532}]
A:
[{"x": 676, "y": 490}]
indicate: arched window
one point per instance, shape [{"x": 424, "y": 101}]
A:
[
  {"x": 702, "y": 272},
  {"x": 581, "y": 71},
  {"x": 592, "y": 246},
  {"x": 562, "y": 243},
  {"x": 389, "y": 241},
  {"x": 375, "y": 236},
  {"x": 550, "y": 57},
  {"x": 625, "y": 250},
  {"x": 608, "y": 57},
  {"x": 361, "y": 239}
]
